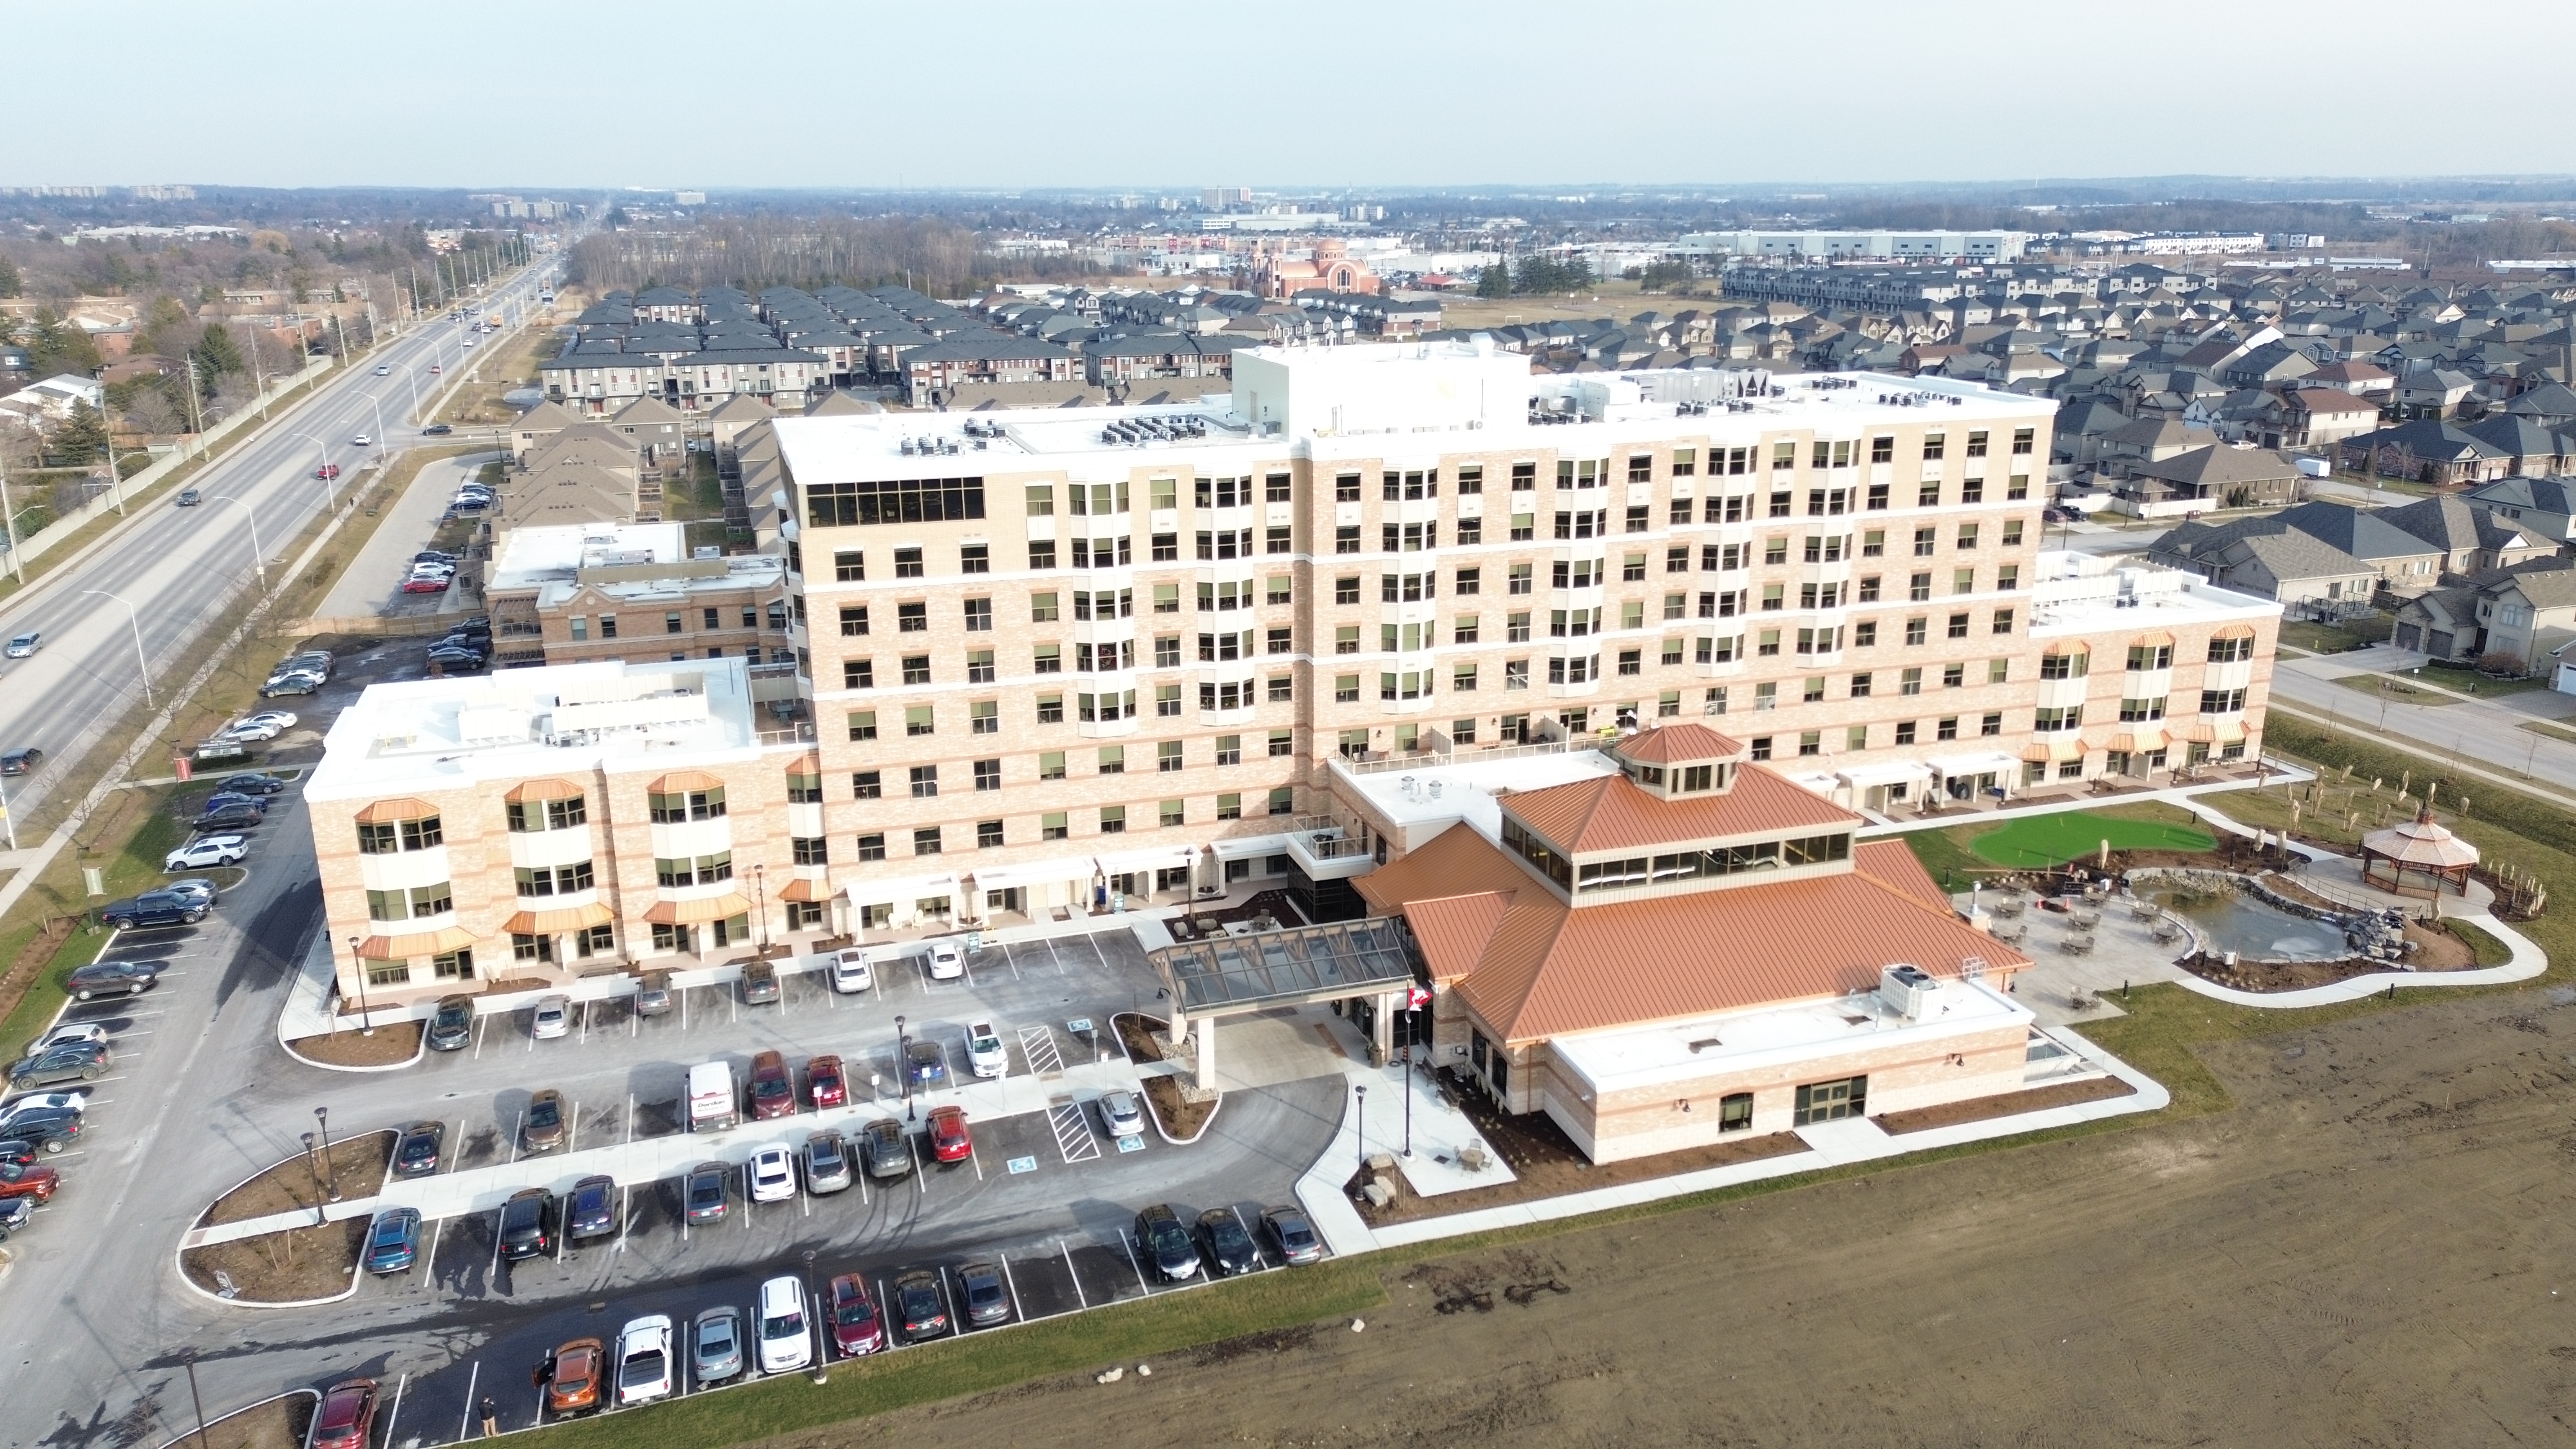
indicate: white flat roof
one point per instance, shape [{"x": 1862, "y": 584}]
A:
[
  {"x": 1607, "y": 408},
  {"x": 443, "y": 734},
  {"x": 1442, "y": 788},
  {"x": 2082, "y": 593},
  {"x": 1614, "y": 1061}
]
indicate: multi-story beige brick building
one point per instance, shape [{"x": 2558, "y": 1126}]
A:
[
  {"x": 1060, "y": 656},
  {"x": 569, "y": 593},
  {"x": 1064, "y": 660},
  {"x": 542, "y": 824}
]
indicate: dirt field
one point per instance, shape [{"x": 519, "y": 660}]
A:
[{"x": 2374, "y": 1247}]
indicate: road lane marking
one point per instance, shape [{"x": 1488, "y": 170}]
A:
[
  {"x": 1141, "y": 1285},
  {"x": 465, "y": 1425},
  {"x": 1074, "y": 1273}
]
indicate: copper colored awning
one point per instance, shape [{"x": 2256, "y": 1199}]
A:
[
  {"x": 694, "y": 912},
  {"x": 558, "y": 921},
  {"x": 801, "y": 889},
  {"x": 427, "y": 943}
]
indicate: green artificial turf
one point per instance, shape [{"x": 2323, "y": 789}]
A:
[{"x": 2040, "y": 840}]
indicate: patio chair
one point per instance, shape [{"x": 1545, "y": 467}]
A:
[
  {"x": 2009, "y": 908},
  {"x": 2009, "y": 935},
  {"x": 2077, "y": 945},
  {"x": 2167, "y": 932},
  {"x": 2084, "y": 918}
]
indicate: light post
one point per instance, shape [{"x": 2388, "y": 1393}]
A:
[
  {"x": 1363, "y": 1121},
  {"x": 366, "y": 1011},
  {"x": 1408, "y": 1093},
  {"x": 330, "y": 1172},
  {"x": 196, "y": 1398},
  {"x": 760, "y": 888},
  {"x": 314, "y": 1168},
  {"x": 258, "y": 555},
  {"x": 381, "y": 441},
  {"x": 902, "y": 1066},
  {"x": 142, "y": 666},
  {"x": 323, "y": 473},
  {"x": 822, "y": 1340}
]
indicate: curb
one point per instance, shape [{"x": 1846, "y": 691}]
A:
[
  {"x": 417, "y": 1052},
  {"x": 313, "y": 1394}
]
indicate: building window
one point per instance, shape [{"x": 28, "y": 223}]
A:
[
  {"x": 925, "y": 781},
  {"x": 1113, "y": 819},
  {"x": 850, "y": 566},
  {"x": 925, "y": 840},
  {"x": 810, "y": 850},
  {"x": 916, "y": 669},
  {"x": 1735, "y": 1109},
  {"x": 872, "y": 846},
  {"x": 858, "y": 674},
  {"x": 1832, "y": 1101},
  {"x": 975, "y": 558},
  {"x": 988, "y": 834},
  {"x": 1053, "y": 826},
  {"x": 907, "y": 561}
]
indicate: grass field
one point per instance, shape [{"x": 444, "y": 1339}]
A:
[
  {"x": 2336, "y": 638},
  {"x": 2040, "y": 840},
  {"x": 2395, "y": 690}
]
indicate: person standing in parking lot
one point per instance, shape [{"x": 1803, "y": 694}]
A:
[{"x": 491, "y": 1418}]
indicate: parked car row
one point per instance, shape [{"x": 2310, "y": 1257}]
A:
[
  {"x": 432, "y": 570},
  {"x": 298, "y": 674},
  {"x": 463, "y": 648},
  {"x": 473, "y": 496}
]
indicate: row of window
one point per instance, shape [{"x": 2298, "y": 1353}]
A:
[
  {"x": 1105, "y": 820},
  {"x": 676, "y": 621},
  {"x": 1168, "y": 756}
]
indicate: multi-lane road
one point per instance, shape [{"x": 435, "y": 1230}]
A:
[{"x": 185, "y": 571}]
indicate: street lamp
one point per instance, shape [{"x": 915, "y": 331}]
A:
[
  {"x": 822, "y": 1342},
  {"x": 258, "y": 555},
  {"x": 330, "y": 1172},
  {"x": 314, "y": 1168},
  {"x": 1363, "y": 1121},
  {"x": 196, "y": 1398},
  {"x": 133, "y": 621},
  {"x": 1408, "y": 1093},
  {"x": 366, "y": 1011},
  {"x": 760, "y": 888},
  {"x": 323, "y": 473},
  {"x": 902, "y": 1067}
]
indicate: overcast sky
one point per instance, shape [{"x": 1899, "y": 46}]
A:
[{"x": 534, "y": 94}]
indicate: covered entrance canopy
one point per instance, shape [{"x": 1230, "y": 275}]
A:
[{"x": 1230, "y": 975}]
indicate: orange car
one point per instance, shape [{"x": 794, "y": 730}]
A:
[{"x": 571, "y": 1375}]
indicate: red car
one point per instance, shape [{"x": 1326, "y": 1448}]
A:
[
  {"x": 327, "y": 471},
  {"x": 347, "y": 1416},
  {"x": 424, "y": 586},
  {"x": 855, "y": 1329},
  {"x": 433, "y": 369},
  {"x": 773, "y": 1092},
  {"x": 949, "y": 1141},
  {"x": 824, "y": 1082},
  {"x": 28, "y": 1180}
]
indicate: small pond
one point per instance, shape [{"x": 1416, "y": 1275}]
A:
[{"x": 2233, "y": 921}]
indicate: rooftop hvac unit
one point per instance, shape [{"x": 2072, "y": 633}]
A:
[{"x": 1908, "y": 991}]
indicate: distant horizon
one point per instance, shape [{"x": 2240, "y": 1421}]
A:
[
  {"x": 1750, "y": 190},
  {"x": 316, "y": 96}
]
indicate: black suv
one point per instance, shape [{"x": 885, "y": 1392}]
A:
[
  {"x": 51, "y": 1128},
  {"x": 84, "y": 1061},
  {"x": 253, "y": 783},
  {"x": 115, "y": 978},
  {"x": 451, "y": 1027},
  {"x": 230, "y": 815},
  {"x": 1161, "y": 1238},
  {"x": 528, "y": 1224},
  {"x": 154, "y": 908}
]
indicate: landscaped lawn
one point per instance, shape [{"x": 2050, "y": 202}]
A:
[{"x": 2039, "y": 840}]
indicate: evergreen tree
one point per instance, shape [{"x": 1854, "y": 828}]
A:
[
  {"x": 1575, "y": 274},
  {"x": 216, "y": 354},
  {"x": 82, "y": 438},
  {"x": 10, "y": 282},
  {"x": 1494, "y": 281},
  {"x": 56, "y": 346}
]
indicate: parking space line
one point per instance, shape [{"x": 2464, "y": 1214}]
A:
[
  {"x": 438, "y": 1228},
  {"x": 1013, "y": 1284},
  {"x": 1038, "y": 1049},
  {"x": 1261, "y": 1263},
  {"x": 516, "y": 1124},
  {"x": 1074, "y": 1140},
  {"x": 1141, "y": 1285},
  {"x": 885, "y": 1312},
  {"x": 396, "y": 1411},
  {"x": 481, "y": 1024},
  {"x": 1074, "y": 1273},
  {"x": 625, "y": 1214},
  {"x": 465, "y": 1425}
]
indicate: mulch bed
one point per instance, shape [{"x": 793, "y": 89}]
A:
[
  {"x": 1547, "y": 1164},
  {"x": 1136, "y": 1033},
  {"x": 359, "y": 1162},
  {"x": 1182, "y": 1118},
  {"x": 290, "y": 1267},
  {"x": 390, "y": 1046},
  {"x": 2006, "y": 1104}
]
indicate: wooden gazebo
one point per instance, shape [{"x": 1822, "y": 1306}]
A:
[{"x": 2417, "y": 858}]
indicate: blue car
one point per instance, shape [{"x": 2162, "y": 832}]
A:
[
  {"x": 927, "y": 1064},
  {"x": 393, "y": 1240}
]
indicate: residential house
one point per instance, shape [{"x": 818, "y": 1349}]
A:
[
  {"x": 2426, "y": 450},
  {"x": 2545, "y": 507},
  {"x": 2216, "y": 476},
  {"x": 2525, "y": 614},
  {"x": 2472, "y": 539},
  {"x": 2316, "y": 418},
  {"x": 2251, "y": 557}
]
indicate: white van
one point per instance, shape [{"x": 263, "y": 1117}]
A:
[{"x": 712, "y": 1104}]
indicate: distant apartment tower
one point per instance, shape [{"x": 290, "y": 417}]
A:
[
  {"x": 1924, "y": 246},
  {"x": 1219, "y": 198}
]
